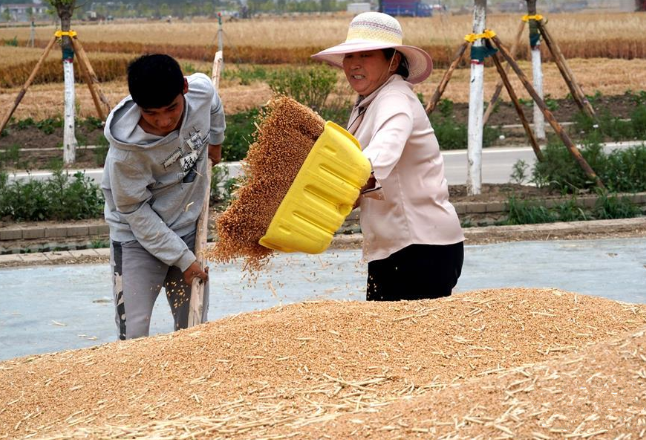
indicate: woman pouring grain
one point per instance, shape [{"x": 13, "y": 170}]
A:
[{"x": 413, "y": 241}]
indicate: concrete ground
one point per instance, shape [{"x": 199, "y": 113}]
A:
[{"x": 61, "y": 307}]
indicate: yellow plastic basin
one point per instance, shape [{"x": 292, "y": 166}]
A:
[{"x": 321, "y": 196}]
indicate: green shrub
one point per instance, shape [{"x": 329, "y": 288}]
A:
[
  {"x": 188, "y": 69},
  {"x": 638, "y": 121},
  {"x": 560, "y": 171},
  {"x": 222, "y": 187},
  {"x": 246, "y": 75},
  {"x": 611, "y": 126},
  {"x": 583, "y": 124},
  {"x": 551, "y": 104},
  {"x": 62, "y": 197},
  {"x": 445, "y": 106},
  {"x": 81, "y": 140},
  {"x": 48, "y": 125},
  {"x": 614, "y": 127},
  {"x": 92, "y": 122},
  {"x": 490, "y": 135},
  {"x": 308, "y": 85},
  {"x": 240, "y": 128},
  {"x": 532, "y": 212},
  {"x": 522, "y": 212},
  {"x": 569, "y": 211},
  {"x": 611, "y": 207},
  {"x": 519, "y": 173},
  {"x": 638, "y": 98},
  {"x": 625, "y": 170},
  {"x": 101, "y": 151},
  {"x": 594, "y": 99},
  {"x": 55, "y": 163},
  {"x": 12, "y": 42},
  {"x": 338, "y": 111},
  {"x": 73, "y": 198},
  {"x": 24, "y": 123},
  {"x": 450, "y": 134},
  {"x": 420, "y": 97},
  {"x": 10, "y": 155},
  {"x": 453, "y": 135},
  {"x": 23, "y": 200},
  {"x": 526, "y": 102},
  {"x": 219, "y": 175}
]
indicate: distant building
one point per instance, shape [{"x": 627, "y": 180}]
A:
[
  {"x": 358, "y": 8},
  {"x": 22, "y": 11}
]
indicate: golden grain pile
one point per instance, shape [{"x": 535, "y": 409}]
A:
[
  {"x": 504, "y": 363},
  {"x": 284, "y": 137}
]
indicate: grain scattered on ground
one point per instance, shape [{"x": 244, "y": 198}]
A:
[
  {"x": 284, "y": 137},
  {"x": 507, "y": 363}
]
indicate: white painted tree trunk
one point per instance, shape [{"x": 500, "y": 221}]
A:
[
  {"x": 476, "y": 107},
  {"x": 537, "y": 70},
  {"x": 69, "y": 135},
  {"x": 537, "y": 74}
]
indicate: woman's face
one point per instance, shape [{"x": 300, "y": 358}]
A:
[{"x": 367, "y": 71}]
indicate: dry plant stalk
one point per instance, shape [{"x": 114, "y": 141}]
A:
[{"x": 284, "y": 137}]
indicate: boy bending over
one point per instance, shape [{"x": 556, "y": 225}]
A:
[{"x": 154, "y": 182}]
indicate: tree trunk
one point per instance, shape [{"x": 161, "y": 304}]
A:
[
  {"x": 537, "y": 70},
  {"x": 476, "y": 106},
  {"x": 65, "y": 11}
]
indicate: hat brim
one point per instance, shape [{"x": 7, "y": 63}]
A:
[{"x": 420, "y": 64}]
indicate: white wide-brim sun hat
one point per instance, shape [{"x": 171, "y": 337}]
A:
[{"x": 373, "y": 31}]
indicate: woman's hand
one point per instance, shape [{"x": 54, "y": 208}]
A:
[{"x": 370, "y": 184}]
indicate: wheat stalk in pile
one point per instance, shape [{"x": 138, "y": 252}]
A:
[
  {"x": 284, "y": 137},
  {"x": 514, "y": 363}
]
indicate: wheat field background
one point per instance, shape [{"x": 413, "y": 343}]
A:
[{"x": 606, "y": 52}]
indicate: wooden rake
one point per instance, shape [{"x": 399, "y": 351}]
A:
[{"x": 196, "y": 306}]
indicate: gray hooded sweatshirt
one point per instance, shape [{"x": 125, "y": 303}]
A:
[{"x": 155, "y": 186}]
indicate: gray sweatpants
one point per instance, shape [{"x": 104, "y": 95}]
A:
[{"x": 137, "y": 279}]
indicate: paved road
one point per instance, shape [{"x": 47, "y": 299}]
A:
[
  {"x": 497, "y": 164},
  {"x": 54, "y": 308}
]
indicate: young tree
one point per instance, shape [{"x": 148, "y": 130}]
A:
[
  {"x": 6, "y": 14},
  {"x": 537, "y": 70},
  {"x": 65, "y": 10},
  {"x": 476, "y": 97}
]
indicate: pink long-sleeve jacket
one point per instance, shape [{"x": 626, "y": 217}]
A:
[{"x": 396, "y": 136}]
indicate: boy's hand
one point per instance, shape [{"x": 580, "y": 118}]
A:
[
  {"x": 215, "y": 153},
  {"x": 194, "y": 271}
]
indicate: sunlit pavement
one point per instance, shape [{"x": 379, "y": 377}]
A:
[{"x": 55, "y": 308}]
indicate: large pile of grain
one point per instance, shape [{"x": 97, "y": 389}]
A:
[
  {"x": 516, "y": 363},
  {"x": 284, "y": 137}
]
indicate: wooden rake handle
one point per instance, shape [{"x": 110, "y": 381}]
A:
[{"x": 196, "y": 306}]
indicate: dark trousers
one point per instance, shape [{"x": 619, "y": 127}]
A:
[{"x": 419, "y": 271}]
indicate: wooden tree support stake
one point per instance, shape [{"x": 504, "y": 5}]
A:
[
  {"x": 91, "y": 80},
  {"x": 25, "y": 86},
  {"x": 446, "y": 78},
  {"x": 196, "y": 305},
  {"x": 559, "y": 59},
  {"x": 514, "y": 99},
  {"x": 499, "y": 84},
  {"x": 548, "y": 115}
]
